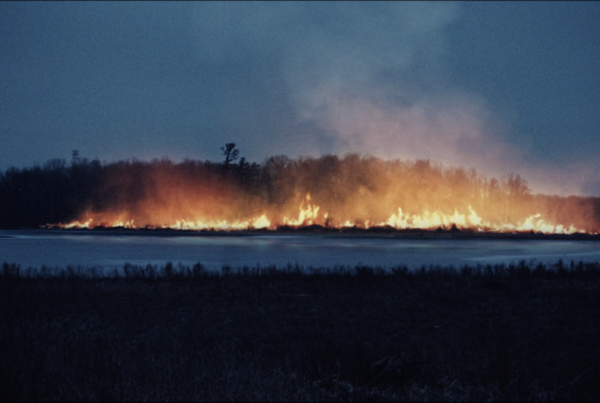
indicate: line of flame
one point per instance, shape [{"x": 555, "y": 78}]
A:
[{"x": 309, "y": 215}]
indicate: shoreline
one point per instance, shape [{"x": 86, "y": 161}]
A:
[{"x": 350, "y": 232}]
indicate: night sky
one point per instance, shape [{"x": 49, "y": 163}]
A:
[{"x": 500, "y": 87}]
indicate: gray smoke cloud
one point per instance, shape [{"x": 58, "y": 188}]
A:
[{"x": 370, "y": 78}]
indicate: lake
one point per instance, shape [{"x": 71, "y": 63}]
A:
[{"x": 112, "y": 250}]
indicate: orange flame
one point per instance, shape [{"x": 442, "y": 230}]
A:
[
  {"x": 329, "y": 192},
  {"x": 309, "y": 214}
]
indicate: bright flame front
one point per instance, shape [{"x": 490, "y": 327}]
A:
[
  {"x": 309, "y": 214},
  {"x": 355, "y": 191}
]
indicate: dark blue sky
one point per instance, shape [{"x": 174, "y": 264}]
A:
[{"x": 501, "y": 87}]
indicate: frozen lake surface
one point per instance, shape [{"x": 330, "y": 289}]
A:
[{"x": 59, "y": 249}]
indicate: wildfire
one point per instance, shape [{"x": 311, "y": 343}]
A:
[
  {"x": 223, "y": 225},
  {"x": 473, "y": 221},
  {"x": 331, "y": 192},
  {"x": 308, "y": 214}
]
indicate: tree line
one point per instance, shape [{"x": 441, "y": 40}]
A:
[{"x": 353, "y": 187}]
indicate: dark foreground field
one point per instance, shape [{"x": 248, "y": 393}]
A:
[{"x": 488, "y": 333}]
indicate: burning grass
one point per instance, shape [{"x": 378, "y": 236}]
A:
[
  {"x": 519, "y": 332},
  {"x": 330, "y": 191}
]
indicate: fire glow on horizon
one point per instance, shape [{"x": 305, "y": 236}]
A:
[
  {"x": 309, "y": 215},
  {"x": 353, "y": 191}
]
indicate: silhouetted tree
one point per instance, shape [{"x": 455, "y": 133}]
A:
[
  {"x": 515, "y": 185},
  {"x": 516, "y": 191},
  {"x": 230, "y": 153},
  {"x": 75, "y": 159}
]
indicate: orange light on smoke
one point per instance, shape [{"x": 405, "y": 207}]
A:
[{"x": 332, "y": 192}]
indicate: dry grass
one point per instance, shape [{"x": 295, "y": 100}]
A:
[{"x": 487, "y": 333}]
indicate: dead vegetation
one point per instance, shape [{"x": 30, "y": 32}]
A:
[{"x": 519, "y": 332}]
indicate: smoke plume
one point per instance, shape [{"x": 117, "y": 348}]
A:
[{"x": 370, "y": 78}]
